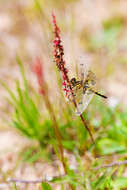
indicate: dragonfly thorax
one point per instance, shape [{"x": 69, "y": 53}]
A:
[{"x": 75, "y": 82}]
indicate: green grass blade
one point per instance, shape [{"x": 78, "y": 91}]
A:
[{"x": 46, "y": 186}]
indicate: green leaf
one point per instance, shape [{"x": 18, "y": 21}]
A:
[
  {"x": 9, "y": 91},
  {"x": 22, "y": 73},
  {"x": 70, "y": 145},
  {"x": 109, "y": 146},
  {"x": 120, "y": 182},
  {"x": 45, "y": 186},
  {"x": 15, "y": 186}
]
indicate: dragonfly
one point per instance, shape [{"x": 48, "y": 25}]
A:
[{"x": 84, "y": 89}]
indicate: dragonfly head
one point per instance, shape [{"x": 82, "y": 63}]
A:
[{"x": 73, "y": 81}]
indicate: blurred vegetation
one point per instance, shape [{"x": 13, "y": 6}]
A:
[
  {"x": 108, "y": 123},
  {"x": 108, "y": 38},
  {"x": 108, "y": 127}
]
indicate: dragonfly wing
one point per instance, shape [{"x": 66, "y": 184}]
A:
[
  {"x": 81, "y": 71},
  {"x": 83, "y": 68},
  {"x": 86, "y": 93},
  {"x": 90, "y": 80},
  {"x": 83, "y": 102},
  {"x": 84, "y": 61},
  {"x": 78, "y": 93}
]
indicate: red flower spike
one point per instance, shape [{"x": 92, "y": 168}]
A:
[
  {"x": 60, "y": 62},
  {"x": 54, "y": 18},
  {"x": 38, "y": 67}
]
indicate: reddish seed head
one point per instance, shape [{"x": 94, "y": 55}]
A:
[
  {"x": 38, "y": 70},
  {"x": 58, "y": 58},
  {"x": 63, "y": 83},
  {"x": 54, "y": 18}
]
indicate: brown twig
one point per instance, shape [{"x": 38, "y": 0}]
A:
[
  {"x": 51, "y": 178},
  {"x": 25, "y": 181},
  {"x": 54, "y": 177},
  {"x": 111, "y": 165}
]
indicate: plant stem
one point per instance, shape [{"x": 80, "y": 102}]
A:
[
  {"x": 86, "y": 126},
  {"x": 56, "y": 128}
]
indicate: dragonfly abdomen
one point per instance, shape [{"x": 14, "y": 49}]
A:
[{"x": 103, "y": 96}]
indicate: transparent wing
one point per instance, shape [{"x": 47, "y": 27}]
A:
[
  {"x": 83, "y": 100},
  {"x": 82, "y": 67},
  {"x": 85, "y": 94},
  {"x": 81, "y": 72},
  {"x": 90, "y": 79},
  {"x": 79, "y": 99}
]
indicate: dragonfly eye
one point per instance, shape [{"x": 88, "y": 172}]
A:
[
  {"x": 73, "y": 81},
  {"x": 86, "y": 81}
]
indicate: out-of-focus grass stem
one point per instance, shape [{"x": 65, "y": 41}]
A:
[{"x": 44, "y": 92}]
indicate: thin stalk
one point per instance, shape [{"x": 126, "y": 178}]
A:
[
  {"x": 57, "y": 132},
  {"x": 56, "y": 128}
]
